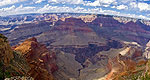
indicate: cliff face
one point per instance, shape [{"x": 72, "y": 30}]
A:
[
  {"x": 10, "y": 61},
  {"x": 86, "y": 28},
  {"x": 146, "y": 54},
  {"x": 39, "y": 58},
  {"x": 29, "y": 59},
  {"x": 6, "y": 53},
  {"x": 72, "y": 31},
  {"x": 130, "y": 31},
  {"x": 127, "y": 65}
]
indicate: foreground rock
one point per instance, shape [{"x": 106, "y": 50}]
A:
[
  {"x": 6, "y": 53},
  {"x": 39, "y": 58}
]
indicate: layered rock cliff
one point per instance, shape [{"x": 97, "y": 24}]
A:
[
  {"x": 49, "y": 28},
  {"x": 6, "y": 53},
  {"x": 10, "y": 61},
  {"x": 28, "y": 59},
  {"x": 39, "y": 58}
]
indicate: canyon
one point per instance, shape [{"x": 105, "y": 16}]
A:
[{"x": 75, "y": 46}]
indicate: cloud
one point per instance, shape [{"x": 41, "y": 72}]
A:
[
  {"x": 78, "y": 9},
  {"x": 143, "y": 6},
  {"x": 95, "y": 3},
  {"x": 67, "y": 1},
  {"x": 7, "y": 2},
  {"x": 133, "y": 5},
  {"x": 125, "y": 1},
  {"x": 7, "y": 8},
  {"x": 13, "y": 10},
  {"x": 49, "y": 8},
  {"x": 136, "y": 16},
  {"x": 104, "y": 3},
  {"x": 121, "y": 7},
  {"x": 107, "y": 1},
  {"x": 26, "y": 9},
  {"x": 39, "y": 1}
]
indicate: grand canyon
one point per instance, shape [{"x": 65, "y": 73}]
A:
[{"x": 74, "y": 46}]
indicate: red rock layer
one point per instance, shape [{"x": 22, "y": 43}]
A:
[{"x": 42, "y": 62}]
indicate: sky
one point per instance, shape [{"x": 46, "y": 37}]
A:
[{"x": 127, "y": 8}]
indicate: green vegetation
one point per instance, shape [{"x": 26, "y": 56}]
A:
[
  {"x": 4, "y": 73},
  {"x": 16, "y": 63},
  {"x": 139, "y": 77},
  {"x": 11, "y": 62},
  {"x": 145, "y": 77},
  {"x": 140, "y": 73}
]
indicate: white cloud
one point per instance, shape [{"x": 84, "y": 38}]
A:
[
  {"x": 4, "y": 10},
  {"x": 107, "y": 1},
  {"x": 121, "y": 7},
  {"x": 125, "y": 1},
  {"x": 67, "y": 1},
  {"x": 143, "y": 6},
  {"x": 52, "y": 1},
  {"x": 9, "y": 8},
  {"x": 95, "y": 3},
  {"x": 13, "y": 10},
  {"x": 104, "y": 3},
  {"x": 6, "y": 2},
  {"x": 110, "y": 12},
  {"x": 39, "y": 1},
  {"x": 26, "y": 9},
  {"x": 133, "y": 5},
  {"x": 49, "y": 8}
]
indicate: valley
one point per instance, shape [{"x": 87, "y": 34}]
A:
[{"x": 75, "y": 46}]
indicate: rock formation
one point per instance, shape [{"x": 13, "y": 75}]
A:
[
  {"x": 39, "y": 58},
  {"x": 6, "y": 53},
  {"x": 29, "y": 59},
  {"x": 88, "y": 18},
  {"x": 82, "y": 47}
]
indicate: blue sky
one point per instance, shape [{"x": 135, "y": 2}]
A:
[{"x": 129, "y": 8}]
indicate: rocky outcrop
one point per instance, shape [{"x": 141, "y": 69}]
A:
[
  {"x": 11, "y": 63},
  {"x": 6, "y": 53},
  {"x": 88, "y": 18},
  {"x": 126, "y": 64},
  {"x": 39, "y": 58},
  {"x": 29, "y": 59},
  {"x": 146, "y": 54},
  {"x": 124, "y": 19}
]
